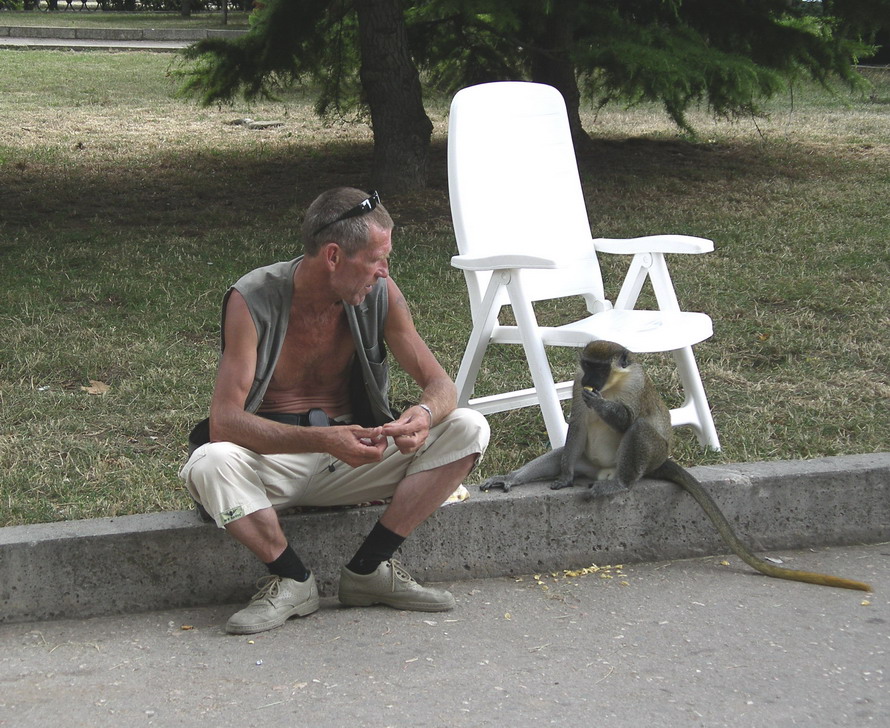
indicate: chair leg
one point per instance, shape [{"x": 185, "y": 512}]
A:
[
  {"x": 469, "y": 366},
  {"x": 695, "y": 410},
  {"x": 542, "y": 376},
  {"x": 478, "y": 342}
]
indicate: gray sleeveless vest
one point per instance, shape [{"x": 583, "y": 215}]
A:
[{"x": 268, "y": 292}]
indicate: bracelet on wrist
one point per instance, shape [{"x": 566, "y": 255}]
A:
[{"x": 428, "y": 411}]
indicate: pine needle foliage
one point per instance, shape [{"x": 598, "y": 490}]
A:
[
  {"x": 730, "y": 54},
  {"x": 288, "y": 41}
]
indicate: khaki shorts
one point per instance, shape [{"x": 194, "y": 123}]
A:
[{"x": 231, "y": 481}]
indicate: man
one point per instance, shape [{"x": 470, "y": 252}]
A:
[{"x": 300, "y": 415}]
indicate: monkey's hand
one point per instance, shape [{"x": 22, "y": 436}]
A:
[
  {"x": 590, "y": 395},
  {"x": 498, "y": 481},
  {"x": 614, "y": 413}
]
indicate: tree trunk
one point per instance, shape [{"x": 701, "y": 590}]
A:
[
  {"x": 551, "y": 63},
  {"x": 391, "y": 83}
]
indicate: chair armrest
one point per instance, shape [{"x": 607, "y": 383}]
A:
[
  {"x": 501, "y": 262},
  {"x": 654, "y": 244}
]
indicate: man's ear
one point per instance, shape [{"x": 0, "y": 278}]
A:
[{"x": 332, "y": 254}]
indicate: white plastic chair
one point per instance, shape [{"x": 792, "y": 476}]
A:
[{"x": 524, "y": 236}]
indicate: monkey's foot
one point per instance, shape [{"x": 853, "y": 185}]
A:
[
  {"x": 561, "y": 483},
  {"x": 496, "y": 481}
]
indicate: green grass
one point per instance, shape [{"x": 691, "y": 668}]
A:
[{"x": 127, "y": 212}]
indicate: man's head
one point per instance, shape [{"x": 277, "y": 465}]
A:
[{"x": 345, "y": 216}]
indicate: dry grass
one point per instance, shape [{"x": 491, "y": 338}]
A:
[{"x": 127, "y": 212}]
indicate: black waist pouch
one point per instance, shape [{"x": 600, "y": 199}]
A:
[{"x": 200, "y": 435}]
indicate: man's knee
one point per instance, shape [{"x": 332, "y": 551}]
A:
[
  {"x": 210, "y": 459},
  {"x": 468, "y": 428},
  {"x": 218, "y": 468}
]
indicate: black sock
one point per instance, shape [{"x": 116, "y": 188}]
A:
[
  {"x": 288, "y": 566},
  {"x": 378, "y": 547}
]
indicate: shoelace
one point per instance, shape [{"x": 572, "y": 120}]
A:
[
  {"x": 269, "y": 586},
  {"x": 400, "y": 572}
]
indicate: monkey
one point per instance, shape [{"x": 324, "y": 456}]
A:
[{"x": 620, "y": 431}]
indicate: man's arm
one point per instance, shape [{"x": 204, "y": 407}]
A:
[
  {"x": 230, "y": 422},
  {"x": 414, "y": 356}
]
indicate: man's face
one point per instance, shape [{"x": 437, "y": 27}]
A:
[{"x": 354, "y": 277}]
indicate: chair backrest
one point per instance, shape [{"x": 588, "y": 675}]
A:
[{"x": 514, "y": 185}]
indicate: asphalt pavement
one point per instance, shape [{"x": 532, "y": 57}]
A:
[{"x": 695, "y": 642}]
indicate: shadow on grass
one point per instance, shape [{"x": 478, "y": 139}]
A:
[{"x": 211, "y": 189}]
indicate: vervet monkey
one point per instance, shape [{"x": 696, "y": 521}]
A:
[{"x": 620, "y": 428}]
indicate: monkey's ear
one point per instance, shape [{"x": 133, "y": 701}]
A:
[{"x": 624, "y": 360}]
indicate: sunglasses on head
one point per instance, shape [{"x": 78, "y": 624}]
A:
[{"x": 362, "y": 208}]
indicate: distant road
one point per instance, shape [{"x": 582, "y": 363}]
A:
[{"x": 148, "y": 39}]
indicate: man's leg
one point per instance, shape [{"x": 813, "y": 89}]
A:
[
  {"x": 261, "y": 533},
  {"x": 288, "y": 591},
  {"x": 419, "y": 495},
  {"x": 421, "y": 484},
  {"x": 415, "y": 499},
  {"x": 223, "y": 477},
  {"x": 371, "y": 577}
]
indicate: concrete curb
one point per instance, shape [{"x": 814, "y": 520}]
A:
[
  {"x": 156, "y": 561},
  {"x": 118, "y": 34}
]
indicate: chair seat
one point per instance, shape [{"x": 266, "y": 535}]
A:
[{"x": 641, "y": 331}]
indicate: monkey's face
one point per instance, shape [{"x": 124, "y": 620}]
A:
[
  {"x": 600, "y": 360},
  {"x": 595, "y": 373}
]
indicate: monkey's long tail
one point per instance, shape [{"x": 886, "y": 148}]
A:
[{"x": 669, "y": 470}]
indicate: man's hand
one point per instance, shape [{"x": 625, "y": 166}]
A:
[
  {"x": 356, "y": 445},
  {"x": 410, "y": 431}
]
